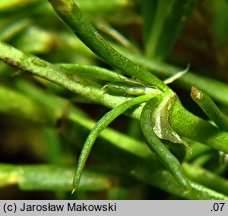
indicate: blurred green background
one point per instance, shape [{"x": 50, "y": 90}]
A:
[{"x": 54, "y": 140}]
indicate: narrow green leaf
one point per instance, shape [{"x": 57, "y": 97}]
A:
[
  {"x": 93, "y": 72},
  {"x": 154, "y": 143},
  {"x": 210, "y": 108},
  {"x": 149, "y": 8},
  {"x": 165, "y": 25},
  {"x": 75, "y": 19},
  {"x": 98, "y": 128}
]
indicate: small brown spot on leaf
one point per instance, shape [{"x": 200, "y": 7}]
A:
[{"x": 195, "y": 93}]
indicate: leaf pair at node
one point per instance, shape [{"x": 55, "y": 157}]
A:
[{"x": 153, "y": 128}]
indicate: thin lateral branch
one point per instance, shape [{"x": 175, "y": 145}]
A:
[{"x": 36, "y": 66}]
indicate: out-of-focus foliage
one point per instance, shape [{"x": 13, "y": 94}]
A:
[{"x": 43, "y": 125}]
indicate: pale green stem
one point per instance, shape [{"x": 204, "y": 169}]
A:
[{"x": 182, "y": 121}]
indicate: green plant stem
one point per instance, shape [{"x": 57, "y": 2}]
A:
[
  {"x": 182, "y": 121},
  {"x": 160, "y": 10},
  {"x": 204, "y": 177},
  {"x": 165, "y": 24},
  {"x": 19, "y": 105},
  {"x": 51, "y": 177},
  {"x": 103, "y": 5},
  {"x": 13, "y": 29},
  {"x": 72, "y": 16},
  {"x": 120, "y": 152},
  {"x": 8, "y": 5},
  {"x": 150, "y": 171},
  {"x": 41, "y": 68},
  {"x": 87, "y": 5},
  {"x": 188, "y": 125},
  {"x": 210, "y": 108},
  {"x": 54, "y": 153}
]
